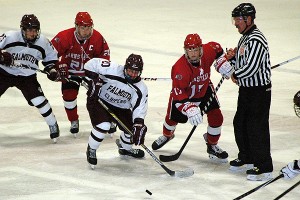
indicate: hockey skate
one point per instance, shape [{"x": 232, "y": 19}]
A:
[
  {"x": 136, "y": 153},
  {"x": 238, "y": 165},
  {"x": 91, "y": 156},
  {"x": 161, "y": 141},
  {"x": 74, "y": 129},
  {"x": 255, "y": 174},
  {"x": 54, "y": 132},
  {"x": 216, "y": 153}
]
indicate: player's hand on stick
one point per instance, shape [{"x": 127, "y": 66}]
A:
[
  {"x": 5, "y": 58},
  {"x": 52, "y": 74},
  {"x": 192, "y": 111},
  {"x": 224, "y": 67},
  {"x": 139, "y": 130},
  {"x": 94, "y": 88},
  {"x": 63, "y": 72},
  {"x": 291, "y": 170}
]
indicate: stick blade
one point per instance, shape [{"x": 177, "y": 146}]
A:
[
  {"x": 170, "y": 158},
  {"x": 183, "y": 174}
]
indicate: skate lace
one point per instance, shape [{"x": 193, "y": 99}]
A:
[
  {"x": 74, "y": 124},
  {"x": 92, "y": 153},
  {"x": 216, "y": 148},
  {"x": 134, "y": 151},
  {"x": 161, "y": 140},
  {"x": 53, "y": 128}
]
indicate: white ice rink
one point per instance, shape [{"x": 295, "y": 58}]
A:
[{"x": 33, "y": 168}]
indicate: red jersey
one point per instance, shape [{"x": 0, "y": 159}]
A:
[
  {"x": 76, "y": 54},
  {"x": 190, "y": 83}
]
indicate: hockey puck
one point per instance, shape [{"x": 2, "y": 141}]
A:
[{"x": 150, "y": 193}]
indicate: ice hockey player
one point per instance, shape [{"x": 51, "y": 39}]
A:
[
  {"x": 297, "y": 103},
  {"x": 191, "y": 90},
  {"x": 75, "y": 47},
  {"x": 121, "y": 89},
  {"x": 291, "y": 170},
  {"x": 21, "y": 50}
]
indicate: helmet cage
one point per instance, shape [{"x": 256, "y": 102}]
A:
[
  {"x": 191, "y": 43},
  {"x": 134, "y": 64},
  {"x": 30, "y": 21},
  {"x": 83, "y": 21}
]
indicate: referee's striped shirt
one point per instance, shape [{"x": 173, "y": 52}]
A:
[{"x": 252, "y": 60}]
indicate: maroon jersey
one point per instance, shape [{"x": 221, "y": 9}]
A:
[
  {"x": 76, "y": 54},
  {"x": 190, "y": 83}
]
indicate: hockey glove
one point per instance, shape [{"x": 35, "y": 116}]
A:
[
  {"x": 5, "y": 58},
  {"x": 51, "y": 73},
  {"x": 94, "y": 88},
  {"x": 139, "y": 130},
  {"x": 192, "y": 111},
  {"x": 224, "y": 67},
  {"x": 63, "y": 72},
  {"x": 291, "y": 170}
]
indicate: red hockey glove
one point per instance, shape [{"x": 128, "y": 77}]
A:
[
  {"x": 192, "y": 111},
  {"x": 139, "y": 130},
  {"x": 5, "y": 58},
  {"x": 224, "y": 67},
  {"x": 63, "y": 72}
]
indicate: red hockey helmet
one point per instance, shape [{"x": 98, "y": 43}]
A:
[
  {"x": 192, "y": 41},
  {"x": 83, "y": 19}
]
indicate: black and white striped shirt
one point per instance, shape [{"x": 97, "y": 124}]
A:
[{"x": 252, "y": 60}]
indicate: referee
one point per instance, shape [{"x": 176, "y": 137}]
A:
[{"x": 251, "y": 61}]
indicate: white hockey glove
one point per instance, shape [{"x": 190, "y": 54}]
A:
[
  {"x": 224, "y": 67},
  {"x": 192, "y": 111},
  {"x": 291, "y": 170}
]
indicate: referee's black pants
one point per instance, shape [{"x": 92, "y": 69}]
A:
[{"x": 251, "y": 126}]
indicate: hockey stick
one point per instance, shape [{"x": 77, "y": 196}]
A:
[
  {"x": 168, "y": 79},
  {"x": 285, "y": 62},
  {"x": 170, "y": 158},
  {"x": 287, "y": 191},
  {"x": 19, "y": 65},
  {"x": 180, "y": 174},
  {"x": 258, "y": 187}
]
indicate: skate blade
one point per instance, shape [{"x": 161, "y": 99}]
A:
[
  {"x": 216, "y": 159},
  {"x": 242, "y": 168},
  {"x": 92, "y": 166},
  {"x": 260, "y": 177},
  {"x": 74, "y": 135},
  {"x": 55, "y": 140}
]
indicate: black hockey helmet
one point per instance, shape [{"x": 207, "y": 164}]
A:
[
  {"x": 297, "y": 103},
  {"x": 30, "y": 21},
  {"x": 133, "y": 62},
  {"x": 244, "y": 9}
]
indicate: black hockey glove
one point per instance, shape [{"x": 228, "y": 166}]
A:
[
  {"x": 5, "y": 58},
  {"x": 139, "y": 130},
  {"x": 94, "y": 88},
  {"x": 52, "y": 73}
]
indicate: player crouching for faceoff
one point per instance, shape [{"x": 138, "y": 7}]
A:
[
  {"x": 191, "y": 90},
  {"x": 121, "y": 89},
  {"x": 20, "y": 52}
]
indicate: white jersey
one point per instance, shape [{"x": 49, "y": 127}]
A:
[
  {"x": 26, "y": 55},
  {"x": 116, "y": 90}
]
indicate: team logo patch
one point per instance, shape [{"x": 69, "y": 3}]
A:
[
  {"x": 242, "y": 50},
  {"x": 56, "y": 39},
  {"x": 178, "y": 77}
]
